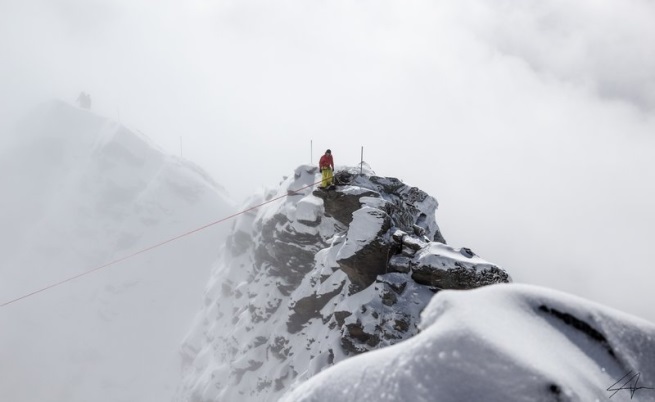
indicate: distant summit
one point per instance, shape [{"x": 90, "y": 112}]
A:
[
  {"x": 78, "y": 191},
  {"x": 321, "y": 276},
  {"x": 99, "y": 184}
]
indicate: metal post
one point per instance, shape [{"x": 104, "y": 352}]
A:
[
  {"x": 361, "y": 164},
  {"x": 311, "y": 152}
]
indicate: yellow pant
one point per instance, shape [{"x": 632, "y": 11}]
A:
[{"x": 328, "y": 178}]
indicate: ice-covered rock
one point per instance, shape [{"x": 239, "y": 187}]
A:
[{"x": 316, "y": 278}]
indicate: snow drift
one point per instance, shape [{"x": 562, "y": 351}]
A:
[{"x": 502, "y": 343}]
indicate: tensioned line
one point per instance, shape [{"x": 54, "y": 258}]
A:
[{"x": 145, "y": 250}]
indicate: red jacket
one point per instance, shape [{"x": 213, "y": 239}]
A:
[{"x": 326, "y": 161}]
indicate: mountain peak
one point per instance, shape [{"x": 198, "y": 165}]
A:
[{"x": 318, "y": 277}]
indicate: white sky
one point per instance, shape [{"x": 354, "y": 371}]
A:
[{"x": 531, "y": 122}]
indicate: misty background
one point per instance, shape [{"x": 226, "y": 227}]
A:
[{"x": 531, "y": 122}]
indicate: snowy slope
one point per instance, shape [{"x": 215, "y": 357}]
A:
[
  {"x": 82, "y": 191},
  {"x": 502, "y": 343}
]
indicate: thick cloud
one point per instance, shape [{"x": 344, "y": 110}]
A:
[
  {"x": 593, "y": 44},
  {"x": 531, "y": 122}
]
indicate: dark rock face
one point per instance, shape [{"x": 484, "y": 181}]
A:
[
  {"x": 309, "y": 307},
  {"x": 321, "y": 276},
  {"x": 439, "y": 266},
  {"x": 289, "y": 253},
  {"x": 458, "y": 277},
  {"x": 341, "y": 205},
  {"x": 390, "y": 315},
  {"x": 371, "y": 260}
]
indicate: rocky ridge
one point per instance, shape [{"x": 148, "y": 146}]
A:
[{"x": 323, "y": 275}]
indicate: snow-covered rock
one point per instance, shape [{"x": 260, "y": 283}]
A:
[
  {"x": 502, "y": 343},
  {"x": 79, "y": 191},
  {"x": 316, "y": 278}
]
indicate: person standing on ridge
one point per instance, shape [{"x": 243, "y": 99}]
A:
[{"x": 326, "y": 166}]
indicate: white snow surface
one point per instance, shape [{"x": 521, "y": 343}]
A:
[
  {"x": 80, "y": 191},
  {"x": 501, "y": 343}
]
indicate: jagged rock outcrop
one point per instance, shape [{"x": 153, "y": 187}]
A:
[{"x": 316, "y": 278}]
